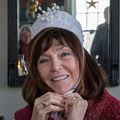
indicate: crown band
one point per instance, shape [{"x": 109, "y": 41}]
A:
[{"x": 57, "y": 19}]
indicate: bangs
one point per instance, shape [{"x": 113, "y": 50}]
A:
[
  {"x": 43, "y": 43},
  {"x": 48, "y": 40}
]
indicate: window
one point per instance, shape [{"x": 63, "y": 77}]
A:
[{"x": 90, "y": 16}]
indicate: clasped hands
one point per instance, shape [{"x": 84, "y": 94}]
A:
[{"x": 73, "y": 104}]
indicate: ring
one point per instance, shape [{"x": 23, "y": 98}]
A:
[
  {"x": 74, "y": 98},
  {"x": 45, "y": 103}
]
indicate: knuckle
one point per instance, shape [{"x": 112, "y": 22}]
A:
[
  {"x": 76, "y": 94},
  {"x": 86, "y": 103},
  {"x": 41, "y": 113},
  {"x": 48, "y": 94},
  {"x": 79, "y": 102},
  {"x": 50, "y": 107},
  {"x": 36, "y": 101},
  {"x": 37, "y": 109}
]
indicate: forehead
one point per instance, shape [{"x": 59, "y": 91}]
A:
[
  {"x": 57, "y": 45},
  {"x": 55, "y": 48},
  {"x": 26, "y": 33}
]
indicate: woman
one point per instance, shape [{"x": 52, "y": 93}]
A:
[
  {"x": 64, "y": 81},
  {"x": 25, "y": 38}
]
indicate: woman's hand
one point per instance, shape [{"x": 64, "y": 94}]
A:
[
  {"x": 75, "y": 106},
  {"x": 45, "y": 104}
]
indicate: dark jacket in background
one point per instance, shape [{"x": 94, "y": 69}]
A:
[{"x": 100, "y": 45}]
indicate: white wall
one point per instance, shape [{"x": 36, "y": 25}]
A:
[
  {"x": 10, "y": 98},
  {"x": 115, "y": 91}
]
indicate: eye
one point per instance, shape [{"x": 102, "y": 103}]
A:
[
  {"x": 65, "y": 54},
  {"x": 43, "y": 61}
]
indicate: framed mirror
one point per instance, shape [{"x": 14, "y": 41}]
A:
[
  {"x": 24, "y": 12},
  {"x": 21, "y": 15}
]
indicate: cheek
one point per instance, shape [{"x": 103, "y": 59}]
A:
[
  {"x": 75, "y": 73},
  {"x": 73, "y": 66},
  {"x": 43, "y": 72}
]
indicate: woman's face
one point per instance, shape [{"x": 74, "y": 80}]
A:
[
  {"x": 59, "y": 68},
  {"x": 26, "y": 37}
]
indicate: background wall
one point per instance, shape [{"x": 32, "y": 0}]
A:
[{"x": 11, "y": 98}]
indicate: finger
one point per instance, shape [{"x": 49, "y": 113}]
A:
[
  {"x": 57, "y": 102},
  {"x": 73, "y": 96},
  {"x": 50, "y": 98},
  {"x": 70, "y": 98},
  {"x": 52, "y": 108},
  {"x": 73, "y": 99},
  {"x": 84, "y": 105},
  {"x": 37, "y": 113},
  {"x": 78, "y": 109},
  {"x": 66, "y": 108},
  {"x": 52, "y": 95},
  {"x": 47, "y": 103},
  {"x": 41, "y": 113}
]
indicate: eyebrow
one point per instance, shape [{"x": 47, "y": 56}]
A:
[
  {"x": 57, "y": 49},
  {"x": 61, "y": 47}
]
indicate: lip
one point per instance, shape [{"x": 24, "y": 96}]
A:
[{"x": 59, "y": 78}]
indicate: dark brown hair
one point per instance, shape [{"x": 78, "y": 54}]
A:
[{"x": 92, "y": 77}]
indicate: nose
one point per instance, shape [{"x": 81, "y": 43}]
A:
[{"x": 56, "y": 64}]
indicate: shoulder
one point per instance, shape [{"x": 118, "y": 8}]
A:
[
  {"x": 23, "y": 114},
  {"x": 112, "y": 106},
  {"x": 110, "y": 98},
  {"x": 102, "y": 26},
  {"x": 114, "y": 103},
  {"x": 105, "y": 99},
  {"x": 105, "y": 107}
]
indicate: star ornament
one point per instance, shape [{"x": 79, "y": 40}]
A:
[{"x": 92, "y": 3}]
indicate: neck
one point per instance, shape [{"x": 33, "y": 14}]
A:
[{"x": 72, "y": 89}]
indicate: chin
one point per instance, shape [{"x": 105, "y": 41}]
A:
[{"x": 62, "y": 92}]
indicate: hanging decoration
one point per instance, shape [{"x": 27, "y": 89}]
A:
[
  {"x": 32, "y": 7},
  {"x": 92, "y": 3}
]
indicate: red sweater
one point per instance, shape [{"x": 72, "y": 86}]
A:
[{"x": 105, "y": 108}]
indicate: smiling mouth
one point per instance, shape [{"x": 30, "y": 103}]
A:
[{"x": 58, "y": 78}]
